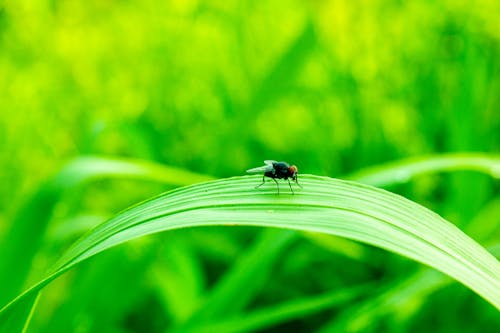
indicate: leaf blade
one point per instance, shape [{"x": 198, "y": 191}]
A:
[{"x": 333, "y": 206}]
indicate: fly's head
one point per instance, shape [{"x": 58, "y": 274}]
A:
[{"x": 293, "y": 171}]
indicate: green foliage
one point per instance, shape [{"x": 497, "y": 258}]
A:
[
  {"x": 142, "y": 97},
  {"x": 326, "y": 205}
]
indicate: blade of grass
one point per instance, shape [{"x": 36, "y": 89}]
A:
[
  {"x": 29, "y": 225},
  {"x": 179, "y": 281},
  {"x": 245, "y": 278},
  {"x": 406, "y": 296},
  {"x": 228, "y": 296},
  {"x": 348, "y": 209},
  {"x": 340, "y": 245},
  {"x": 404, "y": 170},
  {"x": 398, "y": 297},
  {"x": 265, "y": 317},
  {"x": 388, "y": 173},
  {"x": 401, "y": 299}
]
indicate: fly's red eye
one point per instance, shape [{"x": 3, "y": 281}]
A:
[{"x": 293, "y": 169}]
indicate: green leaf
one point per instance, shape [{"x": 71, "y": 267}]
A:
[
  {"x": 402, "y": 171},
  {"x": 399, "y": 299},
  {"x": 244, "y": 280},
  {"x": 29, "y": 225},
  {"x": 264, "y": 317},
  {"x": 332, "y": 206}
]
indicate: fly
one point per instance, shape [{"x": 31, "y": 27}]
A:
[{"x": 277, "y": 170}]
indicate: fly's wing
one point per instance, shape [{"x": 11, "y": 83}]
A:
[
  {"x": 262, "y": 169},
  {"x": 269, "y": 162}
]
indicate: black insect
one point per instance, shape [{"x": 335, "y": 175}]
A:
[{"x": 277, "y": 170}]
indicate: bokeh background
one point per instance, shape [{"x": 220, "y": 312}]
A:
[{"x": 216, "y": 87}]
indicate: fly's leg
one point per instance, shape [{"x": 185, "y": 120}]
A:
[
  {"x": 290, "y": 184},
  {"x": 277, "y": 185},
  {"x": 297, "y": 182},
  {"x": 263, "y": 182}
]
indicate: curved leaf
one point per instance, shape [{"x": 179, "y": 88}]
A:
[
  {"x": 403, "y": 170},
  {"x": 29, "y": 225},
  {"x": 333, "y": 206}
]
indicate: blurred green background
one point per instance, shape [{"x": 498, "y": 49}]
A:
[{"x": 216, "y": 87}]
